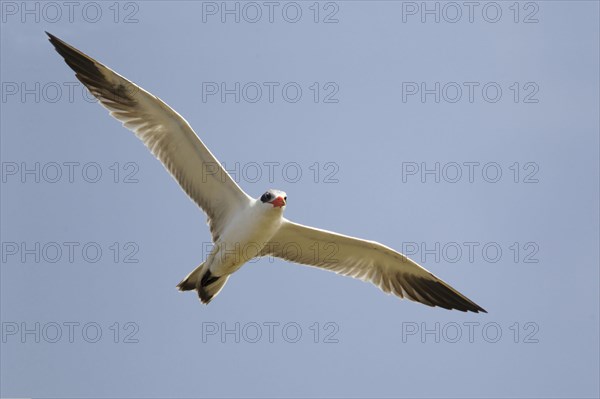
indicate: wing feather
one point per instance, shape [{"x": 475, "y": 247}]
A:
[
  {"x": 369, "y": 261},
  {"x": 166, "y": 134}
]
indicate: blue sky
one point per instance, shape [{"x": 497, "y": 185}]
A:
[{"x": 493, "y": 187}]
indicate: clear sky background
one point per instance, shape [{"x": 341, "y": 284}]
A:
[{"x": 366, "y": 134}]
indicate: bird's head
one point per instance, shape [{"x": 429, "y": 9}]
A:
[{"x": 275, "y": 198}]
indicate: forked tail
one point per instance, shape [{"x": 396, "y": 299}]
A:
[{"x": 203, "y": 281}]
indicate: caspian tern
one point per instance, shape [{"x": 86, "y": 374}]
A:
[{"x": 242, "y": 227}]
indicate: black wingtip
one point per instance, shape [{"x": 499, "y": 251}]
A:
[
  {"x": 60, "y": 45},
  {"x": 53, "y": 39},
  {"x": 476, "y": 309},
  {"x": 437, "y": 293}
]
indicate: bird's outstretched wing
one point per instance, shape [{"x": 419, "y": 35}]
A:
[
  {"x": 369, "y": 261},
  {"x": 166, "y": 133}
]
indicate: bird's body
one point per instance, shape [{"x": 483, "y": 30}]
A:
[
  {"x": 245, "y": 237},
  {"x": 242, "y": 227}
]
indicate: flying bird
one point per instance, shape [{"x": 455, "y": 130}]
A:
[{"x": 243, "y": 227}]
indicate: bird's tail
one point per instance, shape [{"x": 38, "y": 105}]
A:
[{"x": 203, "y": 281}]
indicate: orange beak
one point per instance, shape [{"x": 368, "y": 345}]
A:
[{"x": 278, "y": 202}]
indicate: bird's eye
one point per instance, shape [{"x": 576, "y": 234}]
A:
[
  {"x": 265, "y": 197},
  {"x": 285, "y": 198}
]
